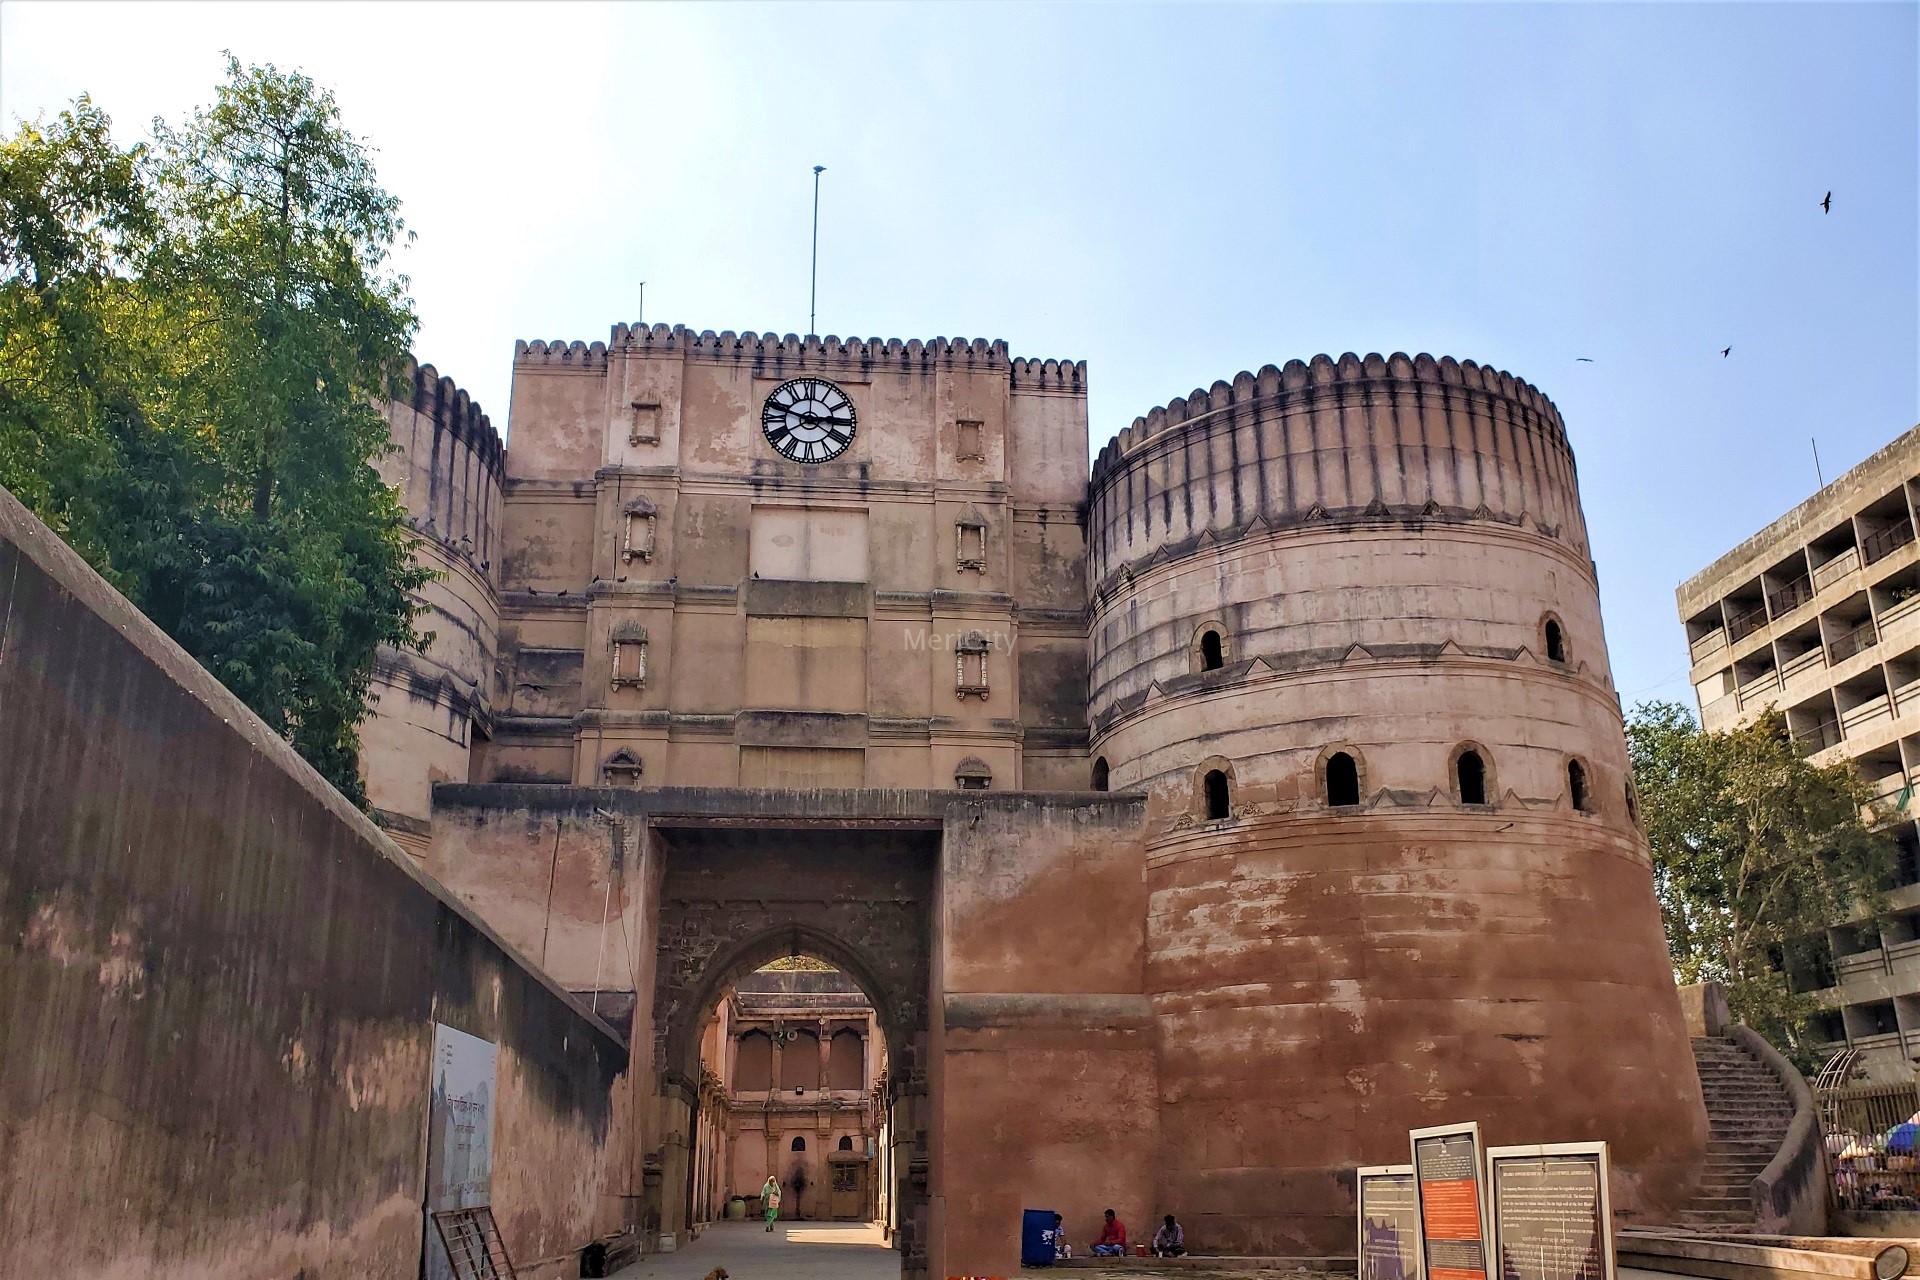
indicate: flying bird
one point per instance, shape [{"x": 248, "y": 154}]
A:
[
  {"x": 1725, "y": 352},
  {"x": 1583, "y": 359},
  {"x": 1826, "y": 206}
]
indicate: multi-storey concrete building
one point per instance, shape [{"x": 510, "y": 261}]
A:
[{"x": 1818, "y": 614}]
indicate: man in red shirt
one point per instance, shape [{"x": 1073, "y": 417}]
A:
[{"x": 1113, "y": 1238}]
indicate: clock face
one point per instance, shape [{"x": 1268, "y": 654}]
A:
[{"x": 808, "y": 420}]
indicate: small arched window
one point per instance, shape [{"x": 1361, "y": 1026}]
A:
[
  {"x": 1633, "y": 804},
  {"x": 1343, "y": 779},
  {"x": 1211, "y": 657},
  {"x": 1556, "y": 641},
  {"x": 1100, "y": 774},
  {"x": 1577, "y": 785},
  {"x": 1218, "y": 799},
  {"x": 846, "y": 1144},
  {"x": 1470, "y": 772},
  {"x": 799, "y": 1144}
]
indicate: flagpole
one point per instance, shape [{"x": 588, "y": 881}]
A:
[{"x": 813, "y": 285}]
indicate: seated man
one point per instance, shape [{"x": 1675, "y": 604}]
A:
[
  {"x": 1062, "y": 1251},
  {"x": 1169, "y": 1241},
  {"x": 1113, "y": 1238}
]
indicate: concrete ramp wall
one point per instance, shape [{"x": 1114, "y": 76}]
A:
[{"x": 218, "y": 985}]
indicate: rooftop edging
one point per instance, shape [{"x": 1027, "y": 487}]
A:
[
  {"x": 1323, "y": 372},
  {"x": 452, "y": 409},
  {"x": 1028, "y": 373}
]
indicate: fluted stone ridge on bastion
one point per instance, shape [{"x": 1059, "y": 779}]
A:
[
  {"x": 1401, "y": 438},
  {"x": 1028, "y": 374}
]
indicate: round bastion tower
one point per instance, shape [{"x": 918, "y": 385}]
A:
[{"x": 1346, "y": 637}]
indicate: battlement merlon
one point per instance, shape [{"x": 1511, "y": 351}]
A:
[{"x": 772, "y": 351}]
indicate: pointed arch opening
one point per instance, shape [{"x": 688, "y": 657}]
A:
[
  {"x": 1342, "y": 780},
  {"x": 1472, "y": 770},
  {"x": 1577, "y": 790}
]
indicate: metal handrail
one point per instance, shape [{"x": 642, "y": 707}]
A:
[
  {"x": 1791, "y": 595},
  {"x": 1858, "y": 640},
  {"x": 1884, "y": 542},
  {"x": 1819, "y": 738},
  {"x": 1741, "y": 625}
]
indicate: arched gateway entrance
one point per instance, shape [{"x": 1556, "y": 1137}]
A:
[{"x": 734, "y": 896}]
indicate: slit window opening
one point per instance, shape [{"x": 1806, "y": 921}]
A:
[
  {"x": 1577, "y": 784},
  {"x": 1217, "y": 797},
  {"x": 1343, "y": 779},
  {"x": 1472, "y": 772}
]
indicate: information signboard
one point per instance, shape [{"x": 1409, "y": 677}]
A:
[
  {"x": 1389, "y": 1247},
  {"x": 1552, "y": 1217},
  {"x": 1448, "y": 1174},
  {"x": 460, "y": 1101}
]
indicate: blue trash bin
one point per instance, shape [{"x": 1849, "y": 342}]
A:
[{"x": 1036, "y": 1238}]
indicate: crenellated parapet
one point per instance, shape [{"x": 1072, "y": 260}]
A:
[
  {"x": 1324, "y": 377},
  {"x": 455, "y": 412},
  {"x": 772, "y": 348},
  {"x": 1398, "y": 439}
]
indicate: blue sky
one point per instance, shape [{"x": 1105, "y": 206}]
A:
[{"x": 1172, "y": 193}]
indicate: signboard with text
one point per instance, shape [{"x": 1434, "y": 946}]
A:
[
  {"x": 1389, "y": 1246},
  {"x": 459, "y": 1134},
  {"x": 1448, "y": 1173},
  {"x": 1552, "y": 1218}
]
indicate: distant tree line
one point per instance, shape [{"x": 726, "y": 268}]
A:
[
  {"x": 1757, "y": 852},
  {"x": 194, "y": 333}
]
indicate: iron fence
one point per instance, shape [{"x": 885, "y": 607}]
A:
[{"x": 1870, "y": 1135}]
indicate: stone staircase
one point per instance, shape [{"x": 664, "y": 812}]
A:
[{"x": 1747, "y": 1116}]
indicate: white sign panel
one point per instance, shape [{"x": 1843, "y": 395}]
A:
[{"x": 459, "y": 1134}]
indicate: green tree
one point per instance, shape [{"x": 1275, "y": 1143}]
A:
[
  {"x": 1756, "y": 852},
  {"x": 195, "y": 334}
]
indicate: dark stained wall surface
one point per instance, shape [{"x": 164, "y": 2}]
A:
[{"x": 218, "y": 984}]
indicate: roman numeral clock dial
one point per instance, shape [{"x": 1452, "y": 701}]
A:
[{"x": 808, "y": 420}]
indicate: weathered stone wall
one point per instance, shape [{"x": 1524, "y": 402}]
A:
[
  {"x": 643, "y": 503},
  {"x": 1001, "y": 937},
  {"x": 1379, "y": 549},
  {"x": 1048, "y": 1088},
  {"x": 428, "y": 708},
  {"x": 218, "y": 984}
]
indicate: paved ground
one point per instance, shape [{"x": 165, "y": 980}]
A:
[{"x": 793, "y": 1251}]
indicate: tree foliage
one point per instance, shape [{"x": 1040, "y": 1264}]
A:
[
  {"x": 194, "y": 332},
  {"x": 1756, "y": 852}
]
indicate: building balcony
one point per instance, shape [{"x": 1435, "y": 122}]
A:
[
  {"x": 1708, "y": 645},
  {"x": 1812, "y": 661},
  {"x": 1858, "y": 640},
  {"x": 1879, "y": 545},
  {"x": 1785, "y": 599},
  {"x": 1746, "y": 622},
  {"x": 1850, "y": 968},
  {"x": 1759, "y": 689},
  {"x": 1886, "y": 790},
  {"x": 1866, "y": 713},
  {"x": 1899, "y": 614},
  {"x": 1836, "y": 569},
  {"x": 1818, "y": 738}
]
